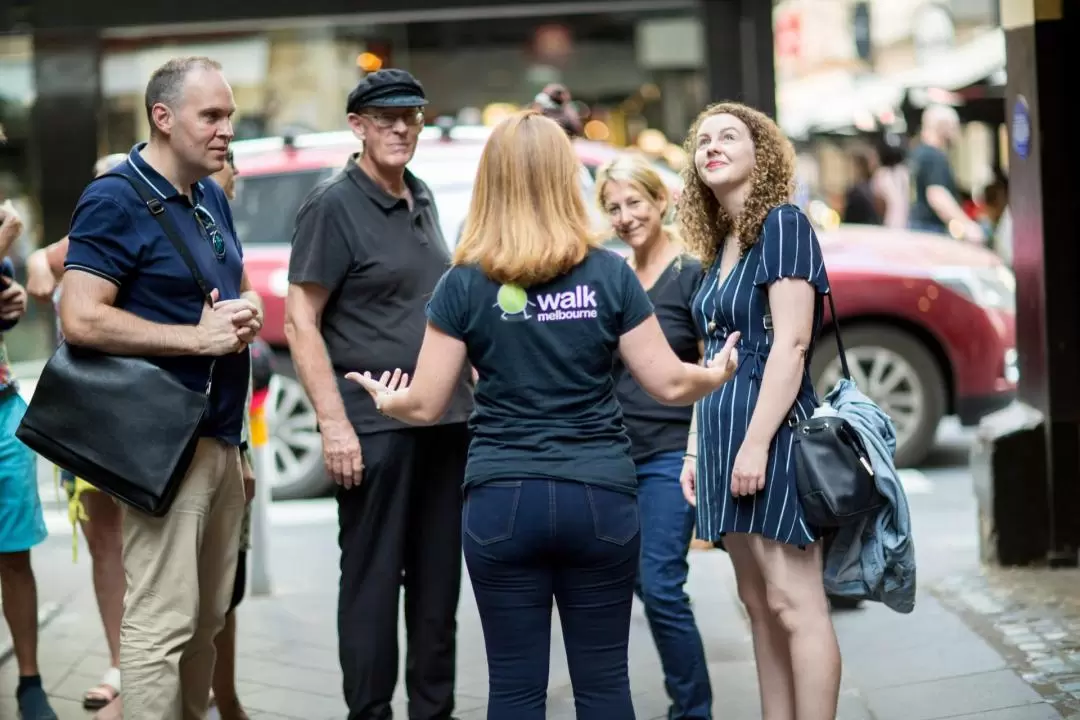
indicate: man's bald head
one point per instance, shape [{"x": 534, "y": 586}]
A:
[{"x": 940, "y": 123}]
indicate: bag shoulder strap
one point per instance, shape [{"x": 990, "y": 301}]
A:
[
  {"x": 835, "y": 326},
  {"x": 836, "y": 331},
  {"x": 157, "y": 209}
]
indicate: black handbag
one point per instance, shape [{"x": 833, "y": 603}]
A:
[
  {"x": 123, "y": 424},
  {"x": 834, "y": 474}
]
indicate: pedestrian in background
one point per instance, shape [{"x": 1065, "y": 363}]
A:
[
  {"x": 22, "y": 523},
  {"x": 766, "y": 281},
  {"x": 98, "y": 514},
  {"x": 224, "y": 695},
  {"x": 636, "y": 201},
  {"x": 550, "y": 512},
  {"x": 366, "y": 253}
]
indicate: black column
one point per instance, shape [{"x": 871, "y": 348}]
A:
[
  {"x": 739, "y": 52},
  {"x": 64, "y": 138},
  {"x": 1027, "y": 466}
]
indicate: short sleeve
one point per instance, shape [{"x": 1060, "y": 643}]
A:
[
  {"x": 938, "y": 171},
  {"x": 321, "y": 254},
  {"x": 789, "y": 249},
  {"x": 448, "y": 308},
  {"x": 101, "y": 239},
  {"x": 636, "y": 305}
]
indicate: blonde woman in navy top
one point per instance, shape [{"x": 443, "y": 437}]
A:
[
  {"x": 766, "y": 280},
  {"x": 550, "y": 514}
]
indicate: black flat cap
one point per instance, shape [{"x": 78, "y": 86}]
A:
[{"x": 391, "y": 88}]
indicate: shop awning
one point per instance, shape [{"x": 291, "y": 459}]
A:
[
  {"x": 976, "y": 60},
  {"x": 834, "y": 102}
]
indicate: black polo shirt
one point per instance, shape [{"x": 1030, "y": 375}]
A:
[{"x": 380, "y": 260}]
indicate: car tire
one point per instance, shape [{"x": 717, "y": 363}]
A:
[
  {"x": 870, "y": 344},
  {"x": 294, "y": 441}
]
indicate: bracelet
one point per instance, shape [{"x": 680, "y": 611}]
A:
[{"x": 689, "y": 456}]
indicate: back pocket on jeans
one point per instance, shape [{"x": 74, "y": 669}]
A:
[
  {"x": 615, "y": 514},
  {"x": 490, "y": 510}
]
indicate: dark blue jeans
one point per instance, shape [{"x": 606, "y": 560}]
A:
[
  {"x": 528, "y": 542},
  {"x": 667, "y": 525}
]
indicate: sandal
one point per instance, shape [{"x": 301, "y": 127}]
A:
[
  {"x": 112, "y": 711},
  {"x": 98, "y": 697}
]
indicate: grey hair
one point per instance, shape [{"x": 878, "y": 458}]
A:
[{"x": 166, "y": 85}]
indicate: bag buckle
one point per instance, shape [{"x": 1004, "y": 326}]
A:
[{"x": 155, "y": 206}]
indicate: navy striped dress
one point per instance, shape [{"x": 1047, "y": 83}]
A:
[{"x": 787, "y": 247}]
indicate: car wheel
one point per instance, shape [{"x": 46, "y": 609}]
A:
[
  {"x": 295, "y": 443},
  {"x": 897, "y": 372}
]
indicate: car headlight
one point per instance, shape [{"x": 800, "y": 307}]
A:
[{"x": 989, "y": 287}]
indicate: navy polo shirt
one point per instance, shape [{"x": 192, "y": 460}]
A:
[{"x": 114, "y": 236}]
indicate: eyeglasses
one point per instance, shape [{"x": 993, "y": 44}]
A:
[
  {"x": 413, "y": 117},
  {"x": 210, "y": 231}
]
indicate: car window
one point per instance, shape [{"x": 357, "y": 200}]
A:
[{"x": 265, "y": 207}]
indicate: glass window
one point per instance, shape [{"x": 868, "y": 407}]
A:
[{"x": 264, "y": 211}]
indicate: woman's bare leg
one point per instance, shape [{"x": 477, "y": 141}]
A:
[
  {"x": 103, "y": 537},
  {"x": 796, "y": 595},
  {"x": 771, "y": 649}
]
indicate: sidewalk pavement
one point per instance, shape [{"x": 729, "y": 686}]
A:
[{"x": 922, "y": 666}]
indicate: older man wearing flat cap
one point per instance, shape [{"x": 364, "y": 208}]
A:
[{"x": 366, "y": 254}]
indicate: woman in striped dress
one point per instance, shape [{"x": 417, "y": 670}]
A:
[{"x": 766, "y": 280}]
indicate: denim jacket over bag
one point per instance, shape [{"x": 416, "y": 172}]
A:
[{"x": 873, "y": 559}]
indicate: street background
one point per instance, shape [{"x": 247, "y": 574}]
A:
[{"x": 1001, "y": 646}]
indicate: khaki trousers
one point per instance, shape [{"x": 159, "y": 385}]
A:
[{"x": 180, "y": 571}]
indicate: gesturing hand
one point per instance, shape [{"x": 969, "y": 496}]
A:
[
  {"x": 724, "y": 363},
  {"x": 382, "y": 389}
]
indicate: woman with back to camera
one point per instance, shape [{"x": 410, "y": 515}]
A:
[
  {"x": 766, "y": 280},
  {"x": 550, "y": 511},
  {"x": 635, "y": 200}
]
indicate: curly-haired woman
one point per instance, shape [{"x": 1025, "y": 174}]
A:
[{"x": 766, "y": 280}]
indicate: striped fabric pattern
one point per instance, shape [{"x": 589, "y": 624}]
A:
[{"x": 787, "y": 247}]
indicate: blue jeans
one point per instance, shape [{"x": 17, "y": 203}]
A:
[
  {"x": 667, "y": 525},
  {"x": 527, "y": 542}
]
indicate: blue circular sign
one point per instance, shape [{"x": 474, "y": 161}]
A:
[{"x": 1021, "y": 127}]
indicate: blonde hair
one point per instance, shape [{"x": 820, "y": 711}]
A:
[
  {"x": 704, "y": 223},
  {"x": 527, "y": 222},
  {"x": 638, "y": 173}
]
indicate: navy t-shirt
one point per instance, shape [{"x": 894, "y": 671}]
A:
[
  {"x": 545, "y": 405},
  {"x": 114, "y": 236},
  {"x": 654, "y": 428}
]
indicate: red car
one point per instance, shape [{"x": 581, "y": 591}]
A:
[
  {"x": 276, "y": 175},
  {"x": 928, "y": 322}
]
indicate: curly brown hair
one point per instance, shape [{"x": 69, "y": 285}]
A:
[{"x": 704, "y": 223}]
